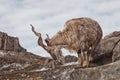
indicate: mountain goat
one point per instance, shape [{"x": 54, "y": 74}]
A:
[{"x": 80, "y": 35}]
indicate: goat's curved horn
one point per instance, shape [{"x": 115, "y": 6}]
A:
[{"x": 36, "y": 33}]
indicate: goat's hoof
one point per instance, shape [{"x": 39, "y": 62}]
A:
[
  {"x": 85, "y": 64},
  {"x": 78, "y": 66}
]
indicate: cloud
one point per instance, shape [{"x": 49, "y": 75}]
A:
[{"x": 49, "y": 16}]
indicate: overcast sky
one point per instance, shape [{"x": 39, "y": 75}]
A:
[{"x": 49, "y": 16}]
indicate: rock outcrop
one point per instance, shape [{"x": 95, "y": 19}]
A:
[
  {"x": 8, "y": 43},
  {"x": 105, "y": 65},
  {"x": 116, "y": 52},
  {"x": 70, "y": 58},
  {"x": 113, "y": 34},
  {"x": 108, "y": 49}
]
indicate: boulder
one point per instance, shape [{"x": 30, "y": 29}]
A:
[
  {"x": 8, "y": 43},
  {"x": 107, "y": 72},
  {"x": 113, "y": 34},
  {"x": 116, "y": 52},
  {"x": 70, "y": 58},
  {"x": 107, "y": 47}
]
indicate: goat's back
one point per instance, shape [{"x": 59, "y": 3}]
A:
[{"x": 87, "y": 31}]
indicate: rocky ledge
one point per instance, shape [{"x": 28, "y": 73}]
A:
[
  {"x": 9, "y": 43},
  {"x": 18, "y": 65}
]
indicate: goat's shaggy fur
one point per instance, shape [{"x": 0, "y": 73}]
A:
[{"x": 80, "y": 35}]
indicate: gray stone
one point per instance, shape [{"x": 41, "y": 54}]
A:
[
  {"x": 70, "y": 58},
  {"x": 116, "y": 52}
]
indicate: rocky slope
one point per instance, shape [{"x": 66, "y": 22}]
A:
[{"x": 18, "y": 64}]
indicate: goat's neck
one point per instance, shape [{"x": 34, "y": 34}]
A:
[{"x": 61, "y": 38}]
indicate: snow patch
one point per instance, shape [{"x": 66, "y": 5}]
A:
[
  {"x": 42, "y": 69},
  {"x": 2, "y": 54},
  {"x": 5, "y": 66},
  {"x": 71, "y": 63},
  {"x": 15, "y": 66}
]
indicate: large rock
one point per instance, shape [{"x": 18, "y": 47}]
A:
[
  {"x": 107, "y": 47},
  {"x": 113, "y": 34},
  {"x": 106, "y": 72},
  {"x": 8, "y": 43},
  {"x": 116, "y": 52}
]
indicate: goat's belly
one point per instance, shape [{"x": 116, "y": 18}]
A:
[{"x": 73, "y": 47}]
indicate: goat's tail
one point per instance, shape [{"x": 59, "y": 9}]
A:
[{"x": 33, "y": 30}]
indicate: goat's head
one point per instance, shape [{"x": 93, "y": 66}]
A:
[{"x": 55, "y": 40}]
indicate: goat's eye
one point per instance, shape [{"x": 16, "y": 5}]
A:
[{"x": 59, "y": 32}]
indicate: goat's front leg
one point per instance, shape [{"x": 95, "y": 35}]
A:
[
  {"x": 85, "y": 59},
  {"x": 80, "y": 59},
  {"x": 59, "y": 56}
]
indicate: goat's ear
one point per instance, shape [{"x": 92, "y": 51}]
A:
[
  {"x": 33, "y": 30},
  {"x": 47, "y": 36},
  {"x": 47, "y": 39}
]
